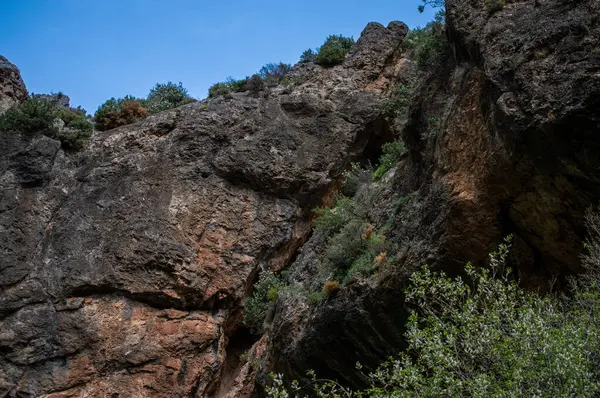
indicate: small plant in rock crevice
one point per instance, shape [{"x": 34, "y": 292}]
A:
[
  {"x": 266, "y": 291},
  {"x": 392, "y": 153}
]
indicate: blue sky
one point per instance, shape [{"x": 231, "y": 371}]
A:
[{"x": 96, "y": 49}]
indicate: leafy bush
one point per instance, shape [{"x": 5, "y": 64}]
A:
[
  {"x": 353, "y": 250},
  {"x": 392, "y": 152},
  {"x": 354, "y": 178},
  {"x": 266, "y": 291},
  {"x": 429, "y": 43},
  {"x": 167, "y": 96},
  {"x": 32, "y": 116},
  {"x": 228, "y": 86},
  {"x": 333, "y": 219},
  {"x": 255, "y": 84},
  {"x": 274, "y": 72},
  {"x": 40, "y": 114},
  {"x": 485, "y": 337},
  {"x": 119, "y": 112},
  {"x": 399, "y": 102},
  {"x": 334, "y": 50},
  {"x": 308, "y": 55}
]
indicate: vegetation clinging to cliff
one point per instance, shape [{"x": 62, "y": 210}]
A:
[
  {"x": 38, "y": 115},
  {"x": 483, "y": 336},
  {"x": 167, "y": 96}
]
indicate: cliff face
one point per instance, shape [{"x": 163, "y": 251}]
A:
[
  {"x": 504, "y": 140},
  {"x": 12, "y": 88},
  {"x": 125, "y": 266}
]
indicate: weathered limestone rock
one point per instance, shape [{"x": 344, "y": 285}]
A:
[
  {"x": 125, "y": 266},
  {"x": 12, "y": 88},
  {"x": 503, "y": 141}
]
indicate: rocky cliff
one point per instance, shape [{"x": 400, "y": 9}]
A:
[
  {"x": 501, "y": 140},
  {"x": 125, "y": 266}
]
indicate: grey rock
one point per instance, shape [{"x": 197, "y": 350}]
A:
[{"x": 12, "y": 88}]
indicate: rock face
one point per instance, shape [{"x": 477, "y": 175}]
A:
[
  {"x": 502, "y": 141},
  {"x": 125, "y": 266},
  {"x": 12, "y": 88}
]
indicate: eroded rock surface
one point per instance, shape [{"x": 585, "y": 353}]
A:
[
  {"x": 12, "y": 88},
  {"x": 504, "y": 141},
  {"x": 125, "y": 266}
]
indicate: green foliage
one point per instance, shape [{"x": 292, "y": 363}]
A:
[
  {"x": 334, "y": 50},
  {"x": 429, "y": 43},
  {"x": 354, "y": 178},
  {"x": 353, "y": 249},
  {"x": 399, "y": 102},
  {"x": 333, "y": 219},
  {"x": 37, "y": 115},
  {"x": 32, "y": 116},
  {"x": 76, "y": 118},
  {"x": 118, "y": 112},
  {"x": 315, "y": 298},
  {"x": 228, "y": 86},
  {"x": 274, "y": 72},
  {"x": 308, "y": 55},
  {"x": 392, "y": 152},
  {"x": 483, "y": 336},
  {"x": 167, "y": 96},
  {"x": 255, "y": 84},
  {"x": 266, "y": 292}
]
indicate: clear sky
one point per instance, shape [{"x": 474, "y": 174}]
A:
[{"x": 96, "y": 49}]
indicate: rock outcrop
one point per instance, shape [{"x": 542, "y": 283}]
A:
[
  {"x": 125, "y": 266},
  {"x": 502, "y": 141},
  {"x": 12, "y": 88}
]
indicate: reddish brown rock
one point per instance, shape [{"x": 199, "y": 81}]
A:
[{"x": 126, "y": 265}]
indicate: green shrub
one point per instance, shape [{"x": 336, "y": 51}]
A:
[
  {"x": 308, "y": 55},
  {"x": 218, "y": 89},
  {"x": 399, "y": 102},
  {"x": 334, "y": 50},
  {"x": 274, "y": 72},
  {"x": 392, "y": 153},
  {"x": 228, "y": 86},
  {"x": 483, "y": 336},
  {"x": 354, "y": 178},
  {"x": 167, "y": 96},
  {"x": 315, "y": 298},
  {"x": 266, "y": 291},
  {"x": 76, "y": 118},
  {"x": 255, "y": 84},
  {"x": 39, "y": 115},
  {"x": 333, "y": 219},
  {"x": 353, "y": 249},
  {"x": 429, "y": 43},
  {"x": 32, "y": 116}
]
